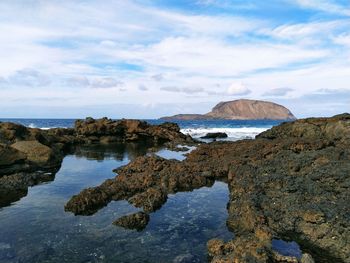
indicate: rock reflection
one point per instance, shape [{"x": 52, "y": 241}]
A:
[
  {"x": 15, "y": 186},
  {"x": 117, "y": 151},
  {"x": 22, "y": 181}
]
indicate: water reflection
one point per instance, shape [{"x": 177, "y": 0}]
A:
[
  {"x": 36, "y": 228},
  {"x": 117, "y": 151}
]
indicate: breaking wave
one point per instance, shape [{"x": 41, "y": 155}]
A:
[{"x": 232, "y": 133}]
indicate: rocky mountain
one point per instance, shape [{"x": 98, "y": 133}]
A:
[{"x": 242, "y": 109}]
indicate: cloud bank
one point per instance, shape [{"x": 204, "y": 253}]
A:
[{"x": 90, "y": 55}]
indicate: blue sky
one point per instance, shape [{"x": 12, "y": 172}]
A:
[{"x": 146, "y": 59}]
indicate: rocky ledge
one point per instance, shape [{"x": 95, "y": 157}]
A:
[
  {"x": 29, "y": 156},
  {"x": 291, "y": 182}
]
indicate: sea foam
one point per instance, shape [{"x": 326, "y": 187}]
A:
[{"x": 232, "y": 133}]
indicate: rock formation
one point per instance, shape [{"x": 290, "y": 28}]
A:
[
  {"x": 29, "y": 156},
  {"x": 241, "y": 110},
  {"x": 215, "y": 135},
  {"x": 290, "y": 183}
]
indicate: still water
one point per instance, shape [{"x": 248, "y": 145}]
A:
[{"x": 37, "y": 229}]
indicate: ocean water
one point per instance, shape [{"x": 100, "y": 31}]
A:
[{"x": 235, "y": 129}]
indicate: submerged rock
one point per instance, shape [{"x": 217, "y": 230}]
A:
[{"x": 137, "y": 221}]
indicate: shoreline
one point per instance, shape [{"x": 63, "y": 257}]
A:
[{"x": 275, "y": 186}]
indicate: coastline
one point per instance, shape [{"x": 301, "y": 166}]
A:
[{"x": 262, "y": 181}]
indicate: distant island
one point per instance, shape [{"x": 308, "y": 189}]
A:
[{"x": 242, "y": 109}]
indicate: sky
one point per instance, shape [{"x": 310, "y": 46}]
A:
[{"x": 153, "y": 58}]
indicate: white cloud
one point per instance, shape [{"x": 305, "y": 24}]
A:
[
  {"x": 105, "y": 83},
  {"x": 186, "y": 53},
  {"x": 238, "y": 89},
  {"x": 328, "y": 6},
  {"x": 158, "y": 77},
  {"x": 143, "y": 87},
  {"x": 278, "y": 92},
  {"x": 78, "y": 81}
]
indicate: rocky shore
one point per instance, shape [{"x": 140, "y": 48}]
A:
[
  {"x": 291, "y": 182},
  {"x": 29, "y": 156}
]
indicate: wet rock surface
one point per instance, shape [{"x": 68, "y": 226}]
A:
[
  {"x": 291, "y": 183},
  {"x": 215, "y": 135},
  {"x": 106, "y": 130},
  {"x": 145, "y": 183}
]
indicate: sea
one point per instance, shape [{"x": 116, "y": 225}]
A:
[
  {"x": 35, "y": 228},
  {"x": 235, "y": 129}
]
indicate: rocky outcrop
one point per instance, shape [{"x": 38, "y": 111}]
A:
[
  {"x": 290, "y": 183},
  {"x": 25, "y": 151},
  {"x": 215, "y": 135},
  {"x": 106, "y": 131},
  {"x": 242, "y": 109},
  {"x": 145, "y": 183},
  {"x": 37, "y": 153}
]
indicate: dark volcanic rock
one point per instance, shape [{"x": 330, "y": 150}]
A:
[
  {"x": 137, "y": 221},
  {"x": 145, "y": 182},
  {"x": 107, "y": 130},
  {"x": 215, "y": 135},
  {"x": 291, "y": 183}
]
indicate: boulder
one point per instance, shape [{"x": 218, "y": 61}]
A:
[
  {"x": 10, "y": 156},
  {"x": 215, "y": 135},
  {"x": 37, "y": 153}
]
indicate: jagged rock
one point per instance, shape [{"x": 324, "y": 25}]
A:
[
  {"x": 307, "y": 258},
  {"x": 150, "y": 200},
  {"x": 11, "y": 132},
  {"x": 145, "y": 182},
  {"x": 137, "y": 221},
  {"x": 10, "y": 156},
  {"x": 290, "y": 183},
  {"x": 215, "y": 247},
  {"x": 107, "y": 130},
  {"x": 26, "y": 150}
]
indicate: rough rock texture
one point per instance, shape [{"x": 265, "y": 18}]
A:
[
  {"x": 145, "y": 183},
  {"x": 291, "y": 183},
  {"x": 24, "y": 151},
  {"x": 106, "y": 130},
  {"x": 137, "y": 221},
  {"x": 37, "y": 153},
  {"x": 242, "y": 109}
]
